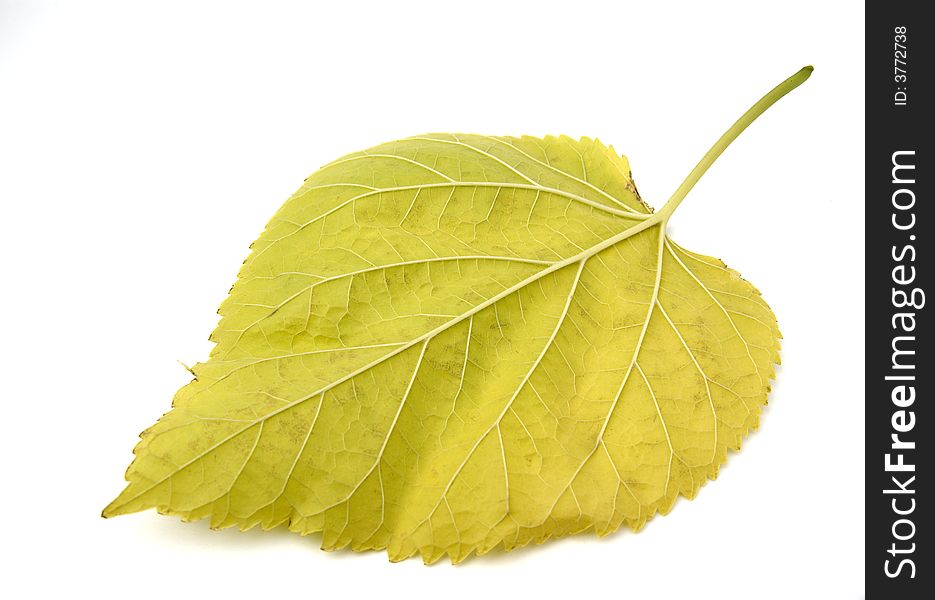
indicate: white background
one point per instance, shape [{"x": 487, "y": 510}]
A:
[{"x": 144, "y": 146}]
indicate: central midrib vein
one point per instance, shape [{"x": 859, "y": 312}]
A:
[
  {"x": 660, "y": 218},
  {"x": 653, "y": 220}
]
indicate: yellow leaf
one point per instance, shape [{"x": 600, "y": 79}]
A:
[{"x": 451, "y": 343}]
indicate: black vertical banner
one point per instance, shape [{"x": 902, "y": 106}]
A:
[{"x": 900, "y": 372}]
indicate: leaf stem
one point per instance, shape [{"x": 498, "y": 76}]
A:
[{"x": 730, "y": 135}]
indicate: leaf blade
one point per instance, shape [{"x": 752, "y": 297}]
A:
[{"x": 325, "y": 330}]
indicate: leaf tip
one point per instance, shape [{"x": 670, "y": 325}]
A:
[
  {"x": 110, "y": 510},
  {"x": 118, "y": 506}
]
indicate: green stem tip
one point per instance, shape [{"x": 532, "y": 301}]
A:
[{"x": 730, "y": 135}]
